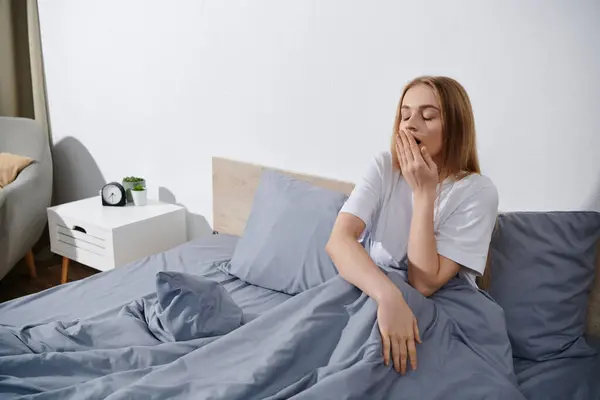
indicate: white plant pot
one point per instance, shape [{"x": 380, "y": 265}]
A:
[
  {"x": 129, "y": 185},
  {"x": 140, "y": 197}
]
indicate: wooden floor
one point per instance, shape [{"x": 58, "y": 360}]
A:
[{"x": 18, "y": 283}]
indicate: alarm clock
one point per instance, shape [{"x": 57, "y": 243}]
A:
[{"x": 113, "y": 194}]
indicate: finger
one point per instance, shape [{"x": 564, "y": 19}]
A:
[
  {"x": 400, "y": 154},
  {"x": 406, "y": 146},
  {"x": 396, "y": 353},
  {"x": 403, "y": 355},
  {"x": 414, "y": 147},
  {"x": 401, "y": 157},
  {"x": 412, "y": 353},
  {"x": 427, "y": 158},
  {"x": 416, "y": 331},
  {"x": 385, "y": 339}
]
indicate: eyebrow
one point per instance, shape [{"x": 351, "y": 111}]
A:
[{"x": 424, "y": 106}]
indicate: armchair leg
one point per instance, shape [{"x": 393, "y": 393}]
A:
[{"x": 31, "y": 264}]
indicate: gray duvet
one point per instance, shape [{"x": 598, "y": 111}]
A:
[
  {"x": 320, "y": 344},
  {"x": 104, "y": 294}
]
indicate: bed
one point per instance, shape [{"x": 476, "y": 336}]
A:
[{"x": 134, "y": 332}]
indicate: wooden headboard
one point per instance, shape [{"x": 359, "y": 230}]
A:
[
  {"x": 235, "y": 182},
  {"x": 593, "y": 314}
]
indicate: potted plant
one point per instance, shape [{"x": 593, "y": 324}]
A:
[
  {"x": 139, "y": 195},
  {"x": 129, "y": 182}
]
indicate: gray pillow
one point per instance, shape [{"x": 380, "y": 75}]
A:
[
  {"x": 542, "y": 269},
  {"x": 190, "y": 306},
  {"x": 283, "y": 245}
]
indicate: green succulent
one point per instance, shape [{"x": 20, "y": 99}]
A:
[
  {"x": 138, "y": 188},
  {"x": 133, "y": 179}
]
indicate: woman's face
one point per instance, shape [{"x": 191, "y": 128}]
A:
[{"x": 421, "y": 117}]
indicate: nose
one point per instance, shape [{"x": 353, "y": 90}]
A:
[{"x": 411, "y": 125}]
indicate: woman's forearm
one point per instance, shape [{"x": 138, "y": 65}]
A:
[
  {"x": 423, "y": 259},
  {"x": 356, "y": 266}
]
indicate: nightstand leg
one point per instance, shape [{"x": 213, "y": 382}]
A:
[
  {"x": 65, "y": 270},
  {"x": 30, "y": 264}
]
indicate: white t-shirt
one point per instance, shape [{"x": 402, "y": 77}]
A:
[{"x": 464, "y": 216}]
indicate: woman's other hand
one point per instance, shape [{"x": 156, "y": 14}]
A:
[
  {"x": 399, "y": 331},
  {"x": 417, "y": 166}
]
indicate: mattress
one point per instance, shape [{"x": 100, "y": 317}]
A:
[{"x": 104, "y": 294}]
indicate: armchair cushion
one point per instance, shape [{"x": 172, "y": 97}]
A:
[{"x": 10, "y": 166}]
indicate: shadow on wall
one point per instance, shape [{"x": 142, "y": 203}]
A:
[
  {"x": 76, "y": 173},
  {"x": 197, "y": 225}
]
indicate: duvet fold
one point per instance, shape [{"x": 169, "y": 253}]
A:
[{"x": 187, "y": 340}]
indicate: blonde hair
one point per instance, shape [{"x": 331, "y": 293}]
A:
[{"x": 459, "y": 147}]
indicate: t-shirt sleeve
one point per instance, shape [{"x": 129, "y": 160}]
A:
[
  {"x": 365, "y": 199},
  {"x": 465, "y": 235}
]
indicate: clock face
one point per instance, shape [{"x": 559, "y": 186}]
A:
[{"x": 112, "y": 194}]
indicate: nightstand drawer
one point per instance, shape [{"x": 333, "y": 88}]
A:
[
  {"x": 79, "y": 237},
  {"x": 79, "y": 228},
  {"x": 80, "y": 241},
  {"x": 81, "y": 255}
]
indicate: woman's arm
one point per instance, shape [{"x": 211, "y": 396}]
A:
[
  {"x": 427, "y": 270},
  {"x": 396, "y": 321},
  {"x": 353, "y": 262}
]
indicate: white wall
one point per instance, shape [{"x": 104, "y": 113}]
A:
[{"x": 157, "y": 88}]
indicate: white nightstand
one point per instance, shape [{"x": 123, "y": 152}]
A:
[{"x": 108, "y": 237}]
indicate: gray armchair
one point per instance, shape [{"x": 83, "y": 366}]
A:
[{"x": 23, "y": 202}]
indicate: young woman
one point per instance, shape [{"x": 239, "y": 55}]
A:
[{"x": 424, "y": 203}]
